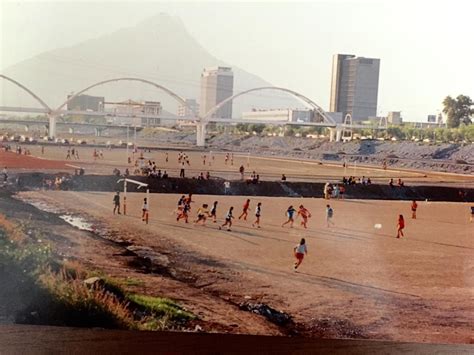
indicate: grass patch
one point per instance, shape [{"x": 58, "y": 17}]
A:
[
  {"x": 161, "y": 307},
  {"x": 54, "y": 293}
]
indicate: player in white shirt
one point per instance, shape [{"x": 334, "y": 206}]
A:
[{"x": 300, "y": 251}]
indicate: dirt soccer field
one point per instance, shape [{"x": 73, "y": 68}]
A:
[
  {"x": 358, "y": 277},
  {"x": 54, "y": 158}
]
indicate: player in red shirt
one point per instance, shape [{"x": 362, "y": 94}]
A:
[
  {"x": 305, "y": 214},
  {"x": 400, "y": 226},
  {"x": 245, "y": 210},
  {"x": 414, "y": 206}
]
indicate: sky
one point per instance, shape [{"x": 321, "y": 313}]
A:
[{"x": 425, "y": 47}]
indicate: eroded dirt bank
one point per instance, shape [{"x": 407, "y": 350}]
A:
[{"x": 263, "y": 188}]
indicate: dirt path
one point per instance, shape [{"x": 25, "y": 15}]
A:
[{"x": 356, "y": 281}]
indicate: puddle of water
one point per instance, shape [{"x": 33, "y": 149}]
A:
[
  {"x": 39, "y": 204},
  {"x": 77, "y": 222}
]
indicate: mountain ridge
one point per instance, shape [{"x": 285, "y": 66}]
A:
[{"x": 159, "y": 49}]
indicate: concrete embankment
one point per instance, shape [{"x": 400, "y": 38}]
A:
[{"x": 264, "y": 188}]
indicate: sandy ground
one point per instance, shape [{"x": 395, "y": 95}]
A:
[
  {"x": 267, "y": 167},
  {"x": 418, "y": 288}
]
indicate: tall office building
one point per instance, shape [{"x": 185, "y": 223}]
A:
[
  {"x": 354, "y": 86},
  {"x": 217, "y": 84},
  {"x": 190, "y": 109}
]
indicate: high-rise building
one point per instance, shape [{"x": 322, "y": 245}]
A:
[
  {"x": 190, "y": 109},
  {"x": 354, "y": 86},
  {"x": 217, "y": 84}
]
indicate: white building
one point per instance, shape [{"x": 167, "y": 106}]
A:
[
  {"x": 394, "y": 118},
  {"x": 190, "y": 109},
  {"x": 289, "y": 115}
]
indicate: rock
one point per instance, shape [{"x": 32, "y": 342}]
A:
[
  {"x": 271, "y": 314},
  {"x": 148, "y": 253},
  {"x": 93, "y": 281}
]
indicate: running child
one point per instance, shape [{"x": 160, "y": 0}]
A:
[
  {"x": 305, "y": 214},
  {"x": 290, "y": 212},
  {"x": 300, "y": 251},
  {"x": 202, "y": 214},
  {"x": 245, "y": 210},
  {"x": 258, "y": 212},
  {"x": 414, "y": 206},
  {"x": 183, "y": 211},
  {"x": 329, "y": 215},
  {"x": 214, "y": 212},
  {"x": 400, "y": 226},
  {"x": 228, "y": 219}
]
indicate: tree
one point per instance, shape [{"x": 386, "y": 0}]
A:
[
  {"x": 458, "y": 110},
  {"x": 256, "y": 127}
]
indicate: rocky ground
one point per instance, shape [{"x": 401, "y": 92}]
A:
[{"x": 411, "y": 155}]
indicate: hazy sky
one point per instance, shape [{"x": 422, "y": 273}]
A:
[{"x": 425, "y": 47}]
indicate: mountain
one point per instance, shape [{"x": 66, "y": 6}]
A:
[{"x": 159, "y": 49}]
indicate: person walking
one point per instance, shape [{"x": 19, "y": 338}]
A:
[
  {"x": 214, "y": 212},
  {"x": 5, "y": 174},
  {"x": 145, "y": 209},
  {"x": 300, "y": 251},
  {"x": 400, "y": 226},
  {"x": 329, "y": 215},
  {"x": 241, "y": 171},
  {"x": 290, "y": 212},
  {"x": 181, "y": 172},
  {"x": 258, "y": 212},
  {"x": 414, "y": 206},
  {"x": 117, "y": 202},
  {"x": 228, "y": 219},
  {"x": 245, "y": 210}
]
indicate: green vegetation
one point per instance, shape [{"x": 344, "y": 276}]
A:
[
  {"x": 161, "y": 307},
  {"x": 465, "y": 133},
  {"x": 56, "y": 294},
  {"x": 458, "y": 110}
]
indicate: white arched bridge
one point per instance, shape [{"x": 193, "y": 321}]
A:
[{"x": 338, "y": 131}]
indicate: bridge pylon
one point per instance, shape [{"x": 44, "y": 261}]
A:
[
  {"x": 201, "y": 134},
  {"x": 52, "y": 126}
]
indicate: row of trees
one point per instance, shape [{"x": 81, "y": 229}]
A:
[{"x": 464, "y": 133}]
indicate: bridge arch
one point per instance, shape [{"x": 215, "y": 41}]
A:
[
  {"x": 36, "y": 97},
  {"x": 166, "y": 90},
  {"x": 299, "y": 96}
]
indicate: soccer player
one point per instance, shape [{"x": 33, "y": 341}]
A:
[
  {"x": 214, "y": 212},
  {"x": 258, "y": 212},
  {"x": 228, "y": 219},
  {"x": 117, "y": 202},
  {"x": 400, "y": 226},
  {"x": 305, "y": 214},
  {"x": 245, "y": 210},
  {"x": 183, "y": 210},
  {"x": 290, "y": 212},
  {"x": 329, "y": 215},
  {"x": 414, "y": 206},
  {"x": 202, "y": 214},
  {"x": 300, "y": 251}
]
